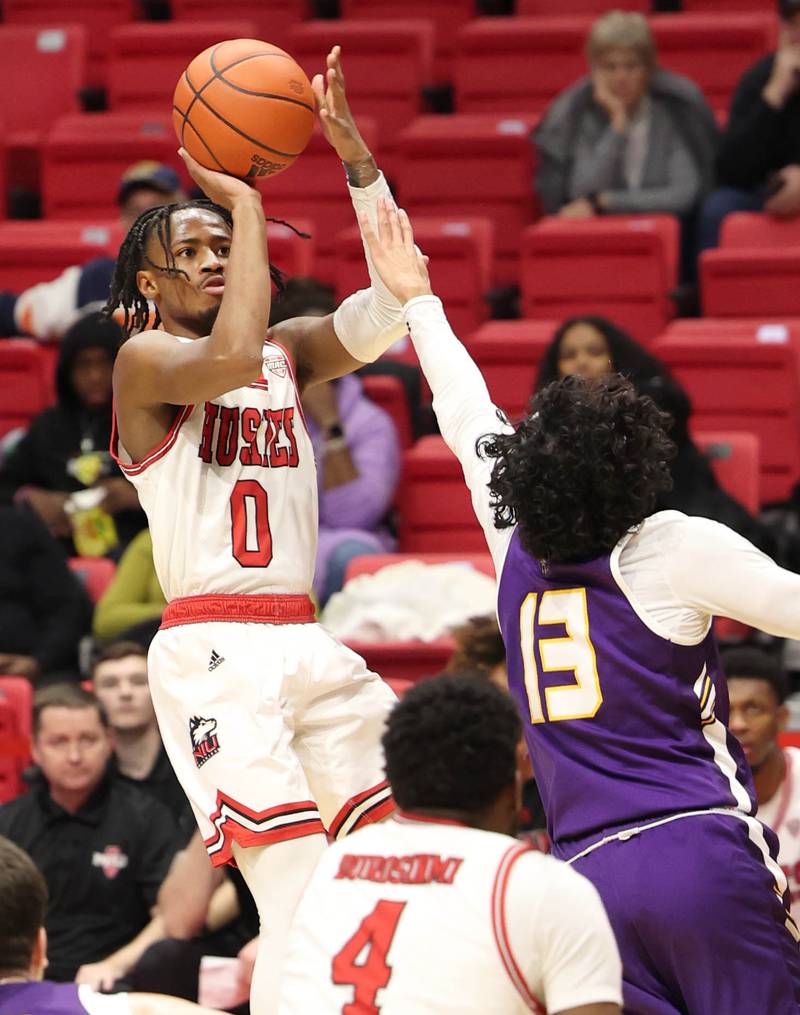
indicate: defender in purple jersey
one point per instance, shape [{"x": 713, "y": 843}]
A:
[
  {"x": 23, "y": 956},
  {"x": 606, "y": 613}
]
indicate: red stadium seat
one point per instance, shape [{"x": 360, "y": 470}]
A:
[
  {"x": 750, "y": 282},
  {"x": 386, "y": 65},
  {"x": 97, "y": 17},
  {"x": 388, "y": 392},
  {"x": 713, "y": 52},
  {"x": 461, "y": 253},
  {"x": 314, "y": 189},
  {"x": 753, "y": 229},
  {"x": 569, "y": 8},
  {"x": 16, "y": 714},
  {"x": 622, "y": 267},
  {"x": 509, "y": 354},
  {"x": 523, "y": 63},
  {"x": 293, "y": 254},
  {"x": 447, "y": 15},
  {"x": 84, "y": 156},
  {"x": 404, "y": 662},
  {"x": 147, "y": 59},
  {"x": 454, "y": 166},
  {"x": 32, "y": 252},
  {"x": 435, "y": 511},
  {"x": 517, "y": 64},
  {"x": 743, "y": 375},
  {"x": 399, "y": 685},
  {"x": 724, "y": 7},
  {"x": 272, "y": 18},
  {"x": 3, "y": 171},
  {"x": 735, "y": 461},
  {"x": 96, "y": 574},
  {"x": 23, "y": 383},
  {"x": 31, "y": 57}
]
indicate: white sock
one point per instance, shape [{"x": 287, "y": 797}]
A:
[{"x": 276, "y": 876}]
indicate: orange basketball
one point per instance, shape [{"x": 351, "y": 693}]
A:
[{"x": 244, "y": 107}]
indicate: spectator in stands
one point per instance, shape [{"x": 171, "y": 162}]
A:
[
  {"x": 44, "y": 610},
  {"x": 132, "y": 605},
  {"x": 758, "y": 687},
  {"x": 23, "y": 955},
  {"x": 47, "y": 310},
  {"x": 119, "y": 677},
  {"x": 65, "y": 451},
  {"x": 629, "y": 137},
  {"x": 759, "y": 161},
  {"x": 103, "y": 846},
  {"x": 595, "y": 347},
  {"x": 357, "y": 452}
]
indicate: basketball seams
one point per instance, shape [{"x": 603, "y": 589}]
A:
[
  {"x": 219, "y": 74},
  {"x": 203, "y": 142}
]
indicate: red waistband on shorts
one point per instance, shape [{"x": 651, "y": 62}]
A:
[{"x": 289, "y": 609}]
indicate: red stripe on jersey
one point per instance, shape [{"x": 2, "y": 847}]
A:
[
  {"x": 136, "y": 468},
  {"x": 289, "y": 363},
  {"x": 377, "y": 812},
  {"x": 356, "y": 801},
  {"x": 512, "y": 854}
]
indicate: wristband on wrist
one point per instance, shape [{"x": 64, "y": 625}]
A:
[{"x": 357, "y": 173}]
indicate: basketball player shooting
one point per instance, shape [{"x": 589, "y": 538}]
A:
[
  {"x": 272, "y": 726},
  {"x": 606, "y": 611}
]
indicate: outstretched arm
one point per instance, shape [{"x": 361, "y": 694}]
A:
[
  {"x": 369, "y": 321},
  {"x": 460, "y": 398}
]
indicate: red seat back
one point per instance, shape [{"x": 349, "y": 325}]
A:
[
  {"x": 735, "y": 459},
  {"x": 23, "y": 383},
  {"x": 148, "y": 58},
  {"x": 755, "y": 229},
  {"x": 388, "y": 392},
  {"x": 750, "y": 282},
  {"x": 96, "y": 574},
  {"x": 272, "y": 18},
  {"x": 509, "y": 354},
  {"x": 623, "y": 268},
  {"x": 16, "y": 704},
  {"x": 743, "y": 375},
  {"x": 56, "y": 55},
  {"x": 453, "y": 166},
  {"x": 38, "y": 251},
  {"x": 84, "y": 156},
  {"x": 461, "y": 253}
]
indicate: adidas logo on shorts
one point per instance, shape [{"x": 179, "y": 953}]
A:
[{"x": 215, "y": 661}]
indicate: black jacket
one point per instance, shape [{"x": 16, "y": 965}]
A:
[
  {"x": 758, "y": 140},
  {"x": 44, "y": 611}
]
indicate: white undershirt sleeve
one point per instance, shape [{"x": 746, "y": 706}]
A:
[
  {"x": 103, "y": 1004},
  {"x": 717, "y": 571},
  {"x": 463, "y": 408},
  {"x": 560, "y": 935}
]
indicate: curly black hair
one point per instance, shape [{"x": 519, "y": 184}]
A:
[
  {"x": 133, "y": 257},
  {"x": 451, "y": 744},
  {"x": 584, "y": 467}
]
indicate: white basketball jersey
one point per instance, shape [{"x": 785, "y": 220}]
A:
[
  {"x": 782, "y": 814},
  {"x": 423, "y": 916},
  {"x": 231, "y": 491}
]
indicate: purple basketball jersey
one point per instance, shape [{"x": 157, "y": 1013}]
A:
[
  {"x": 40, "y": 998},
  {"x": 622, "y": 724}
]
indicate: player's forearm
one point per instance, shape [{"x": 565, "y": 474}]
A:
[
  {"x": 241, "y": 325},
  {"x": 125, "y": 958}
]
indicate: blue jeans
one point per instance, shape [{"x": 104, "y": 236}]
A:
[
  {"x": 717, "y": 205},
  {"x": 337, "y": 565}
]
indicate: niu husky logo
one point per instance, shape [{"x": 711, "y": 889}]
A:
[
  {"x": 276, "y": 365},
  {"x": 111, "y": 861},
  {"x": 205, "y": 743}
]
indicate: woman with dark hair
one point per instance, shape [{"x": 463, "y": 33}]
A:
[{"x": 594, "y": 347}]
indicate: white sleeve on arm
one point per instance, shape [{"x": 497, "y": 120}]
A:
[
  {"x": 560, "y": 935},
  {"x": 715, "y": 570},
  {"x": 463, "y": 408},
  {"x": 371, "y": 320},
  {"x": 103, "y": 1004}
]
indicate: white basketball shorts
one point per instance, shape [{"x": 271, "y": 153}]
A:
[{"x": 273, "y": 726}]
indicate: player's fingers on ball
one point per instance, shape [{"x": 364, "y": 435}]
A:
[{"x": 318, "y": 88}]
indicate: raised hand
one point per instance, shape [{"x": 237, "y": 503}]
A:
[
  {"x": 401, "y": 266},
  {"x": 335, "y": 117},
  {"x": 218, "y": 187}
]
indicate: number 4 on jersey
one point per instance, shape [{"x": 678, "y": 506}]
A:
[{"x": 375, "y": 934}]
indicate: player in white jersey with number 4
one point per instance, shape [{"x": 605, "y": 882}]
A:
[
  {"x": 439, "y": 909},
  {"x": 272, "y": 726}
]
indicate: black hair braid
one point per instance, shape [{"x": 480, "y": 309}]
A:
[{"x": 124, "y": 292}]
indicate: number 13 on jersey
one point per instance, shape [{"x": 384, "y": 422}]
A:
[{"x": 574, "y": 651}]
